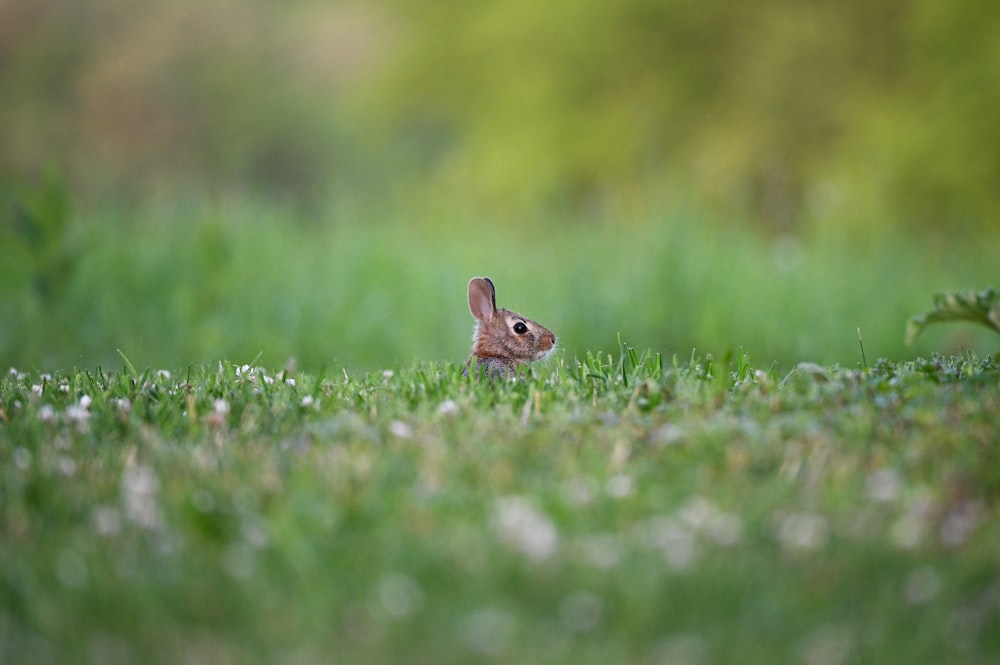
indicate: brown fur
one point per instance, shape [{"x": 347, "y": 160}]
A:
[{"x": 497, "y": 346}]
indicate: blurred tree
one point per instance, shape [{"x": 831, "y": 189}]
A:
[{"x": 772, "y": 110}]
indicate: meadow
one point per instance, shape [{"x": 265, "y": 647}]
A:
[
  {"x": 627, "y": 507},
  {"x": 174, "y": 283}
]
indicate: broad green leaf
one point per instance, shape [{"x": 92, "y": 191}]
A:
[{"x": 981, "y": 307}]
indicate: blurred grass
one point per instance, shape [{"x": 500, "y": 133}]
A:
[
  {"x": 190, "y": 283},
  {"x": 587, "y": 513}
]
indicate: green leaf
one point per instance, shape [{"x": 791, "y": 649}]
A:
[{"x": 981, "y": 307}]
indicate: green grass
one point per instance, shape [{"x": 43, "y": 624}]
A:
[
  {"x": 179, "y": 285},
  {"x": 628, "y": 508}
]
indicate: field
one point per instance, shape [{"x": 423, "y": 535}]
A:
[
  {"x": 173, "y": 284},
  {"x": 620, "y": 508}
]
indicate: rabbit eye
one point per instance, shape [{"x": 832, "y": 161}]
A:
[{"x": 520, "y": 328}]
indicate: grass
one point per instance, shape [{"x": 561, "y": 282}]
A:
[
  {"x": 622, "y": 508},
  {"x": 178, "y": 285}
]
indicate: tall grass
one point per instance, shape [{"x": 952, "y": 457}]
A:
[{"x": 188, "y": 284}]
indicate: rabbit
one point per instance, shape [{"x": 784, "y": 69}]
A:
[{"x": 502, "y": 340}]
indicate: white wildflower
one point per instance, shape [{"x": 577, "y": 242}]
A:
[
  {"x": 307, "y": 400},
  {"x": 140, "y": 490},
  {"x": 221, "y": 407},
  {"x": 400, "y": 429},
  {"x": 673, "y": 539},
  {"x": 525, "y": 529},
  {"x": 77, "y": 414},
  {"x": 620, "y": 486},
  {"x": 47, "y": 413},
  {"x": 803, "y": 531},
  {"x": 448, "y": 408},
  {"x": 884, "y": 486}
]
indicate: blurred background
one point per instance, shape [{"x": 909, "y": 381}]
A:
[{"x": 202, "y": 180}]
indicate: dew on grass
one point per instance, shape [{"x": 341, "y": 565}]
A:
[{"x": 524, "y": 529}]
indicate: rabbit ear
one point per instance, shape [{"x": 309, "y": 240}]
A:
[{"x": 482, "y": 299}]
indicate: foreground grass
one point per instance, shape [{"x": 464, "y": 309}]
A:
[{"x": 615, "y": 510}]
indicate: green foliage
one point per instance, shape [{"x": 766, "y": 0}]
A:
[
  {"x": 189, "y": 283},
  {"x": 869, "y": 116},
  {"x": 619, "y": 509},
  {"x": 982, "y": 307}
]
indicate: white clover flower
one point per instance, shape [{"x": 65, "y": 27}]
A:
[
  {"x": 290, "y": 382},
  {"x": 448, "y": 408},
  {"x": 140, "y": 491},
  {"x": 620, "y": 486},
  {"x": 36, "y": 389},
  {"x": 307, "y": 400},
  {"x": 221, "y": 406},
  {"x": 673, "y": 539},
  {"x": 85, "y": 402},
  {"x": 47, "y": 413},
  {"x": 400, "y": 429},
  {"x": 525, "y": 529},
  {"x": 884, "y": 486},
  {"x": 803, "y": 531},
  {"x": 77, "y": 414}
]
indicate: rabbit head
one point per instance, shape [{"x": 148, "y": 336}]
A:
[{"x": 503, "y": 339}]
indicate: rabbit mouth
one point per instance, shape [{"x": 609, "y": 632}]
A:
[{"x": 542, "y": 353}]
